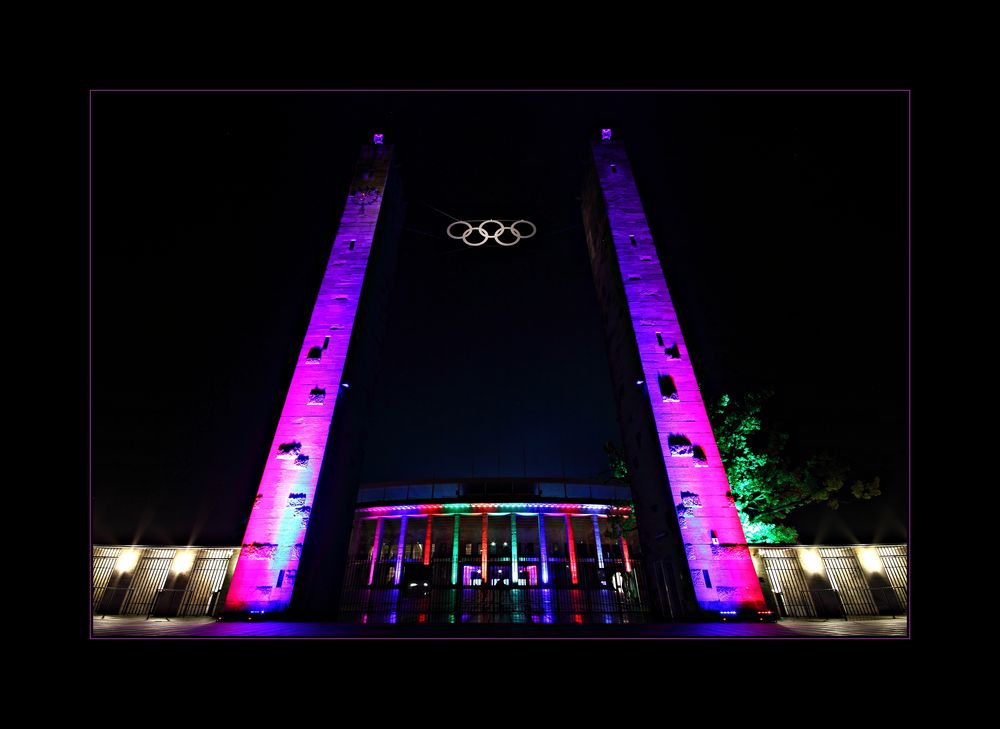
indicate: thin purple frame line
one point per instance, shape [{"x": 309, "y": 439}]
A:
[
  {"x": 909, "y": 309},
  {"x": 508, "y": 90},
  {"x": 678, "y": 637},
  {"x": 90, "y": 350},
  {"x": 909, "y": 356},
  {"x": 653, "y": 637}
]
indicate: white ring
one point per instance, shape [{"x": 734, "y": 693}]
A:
[
  {"x": 458, "y": 237},
  {"x": 512, "y": 231},
  {"x": 495, "y": 236},
  {"x": 491, "y": 235},
  {"x": 520, "y": 234},
  {"x": 465, "y": 237}
]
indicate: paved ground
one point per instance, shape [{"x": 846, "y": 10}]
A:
[{"x": 130, "y": 627}]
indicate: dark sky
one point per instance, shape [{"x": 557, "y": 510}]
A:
[{"x": 780, "y": 219}]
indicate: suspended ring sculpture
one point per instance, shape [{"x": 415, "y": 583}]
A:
[{"x": 492, "y": 230}]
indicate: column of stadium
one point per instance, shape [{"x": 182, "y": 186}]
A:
[
  {"x": 678, "y": 482},
  {"x": 277, "y": 528}
]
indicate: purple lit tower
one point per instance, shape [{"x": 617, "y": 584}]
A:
[
  {"x": 693, "y": 542},
  {"x": 318, "y": 444}
]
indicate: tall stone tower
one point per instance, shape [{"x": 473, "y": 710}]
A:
[
  {"x": 689, "y": 529},
  {"x": 319, "y": 441}
]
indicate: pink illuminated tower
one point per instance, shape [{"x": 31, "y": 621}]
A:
[
  {"x": 318, "y": 443},
  {"x": 689, "y": 528}
]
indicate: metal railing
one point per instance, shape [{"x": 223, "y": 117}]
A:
[
  {"x": 149, "y": 586},
  {"x": 110, "y": 600},
  {"x": 594, "y": 599},
  {"x": 843, "y": 587},
  {"x": 178, "y": 602}
]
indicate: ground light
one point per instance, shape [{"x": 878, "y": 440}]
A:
[
  {"x": 811, "y": 561},
  {"x": 127, "y": 560},
  {"x": 183, "y": 561},
  {"x": 869, "y": 560}
]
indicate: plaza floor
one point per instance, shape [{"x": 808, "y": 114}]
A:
[{"x": 134, "y": 627}]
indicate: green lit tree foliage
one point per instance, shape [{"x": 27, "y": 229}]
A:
[
  {"x": 764, "y": 480},
  {"x": 616, "y": 460},
  {"x": 619, "y": 525},
  {"x": 767, "y": 484}
]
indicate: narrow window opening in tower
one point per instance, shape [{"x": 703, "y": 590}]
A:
[
  {"x": 614, "y": 168},
  {"x": 315, "y": 354},
  {"x": 287, "y": 451},
  {"x": 700, "y": 459},
  {"x": 668, "y": 390},
  {"x": 659, "y": 339},
  {"x": 708, "y": 581},
  {"x": 672, "y": 352},
  {"x": 326, "y": 342},
  {"x": 317, "y": 396},
  {"x": 351, "y": 245},
  {"x": 634, "y": 277},
  {"x": 632, "y": 240},
  {"x": 679, "y": 445}
]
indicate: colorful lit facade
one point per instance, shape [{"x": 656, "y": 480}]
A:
[{"x": 526, "y": 550}]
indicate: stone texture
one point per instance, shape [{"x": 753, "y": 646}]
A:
[
  {"x": 259, "y": 551},
  {"x": 275, "y": 529},
  {"x": 636, "y": 294},
  {"x": 288, "y": 451}
]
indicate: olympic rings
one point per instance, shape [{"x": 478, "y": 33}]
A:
[{"x": 486, "y": 234}]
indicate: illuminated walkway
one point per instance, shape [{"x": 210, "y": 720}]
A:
[{"x": 131, "y": 627}]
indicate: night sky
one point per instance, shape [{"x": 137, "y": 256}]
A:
[{"x": 780, "y": 219}]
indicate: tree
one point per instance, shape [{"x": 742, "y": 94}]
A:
[
  {"x": 763, "y": 479},
  {"x": 765, "y": 482},
  {"x": 619, "y": 525}
]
